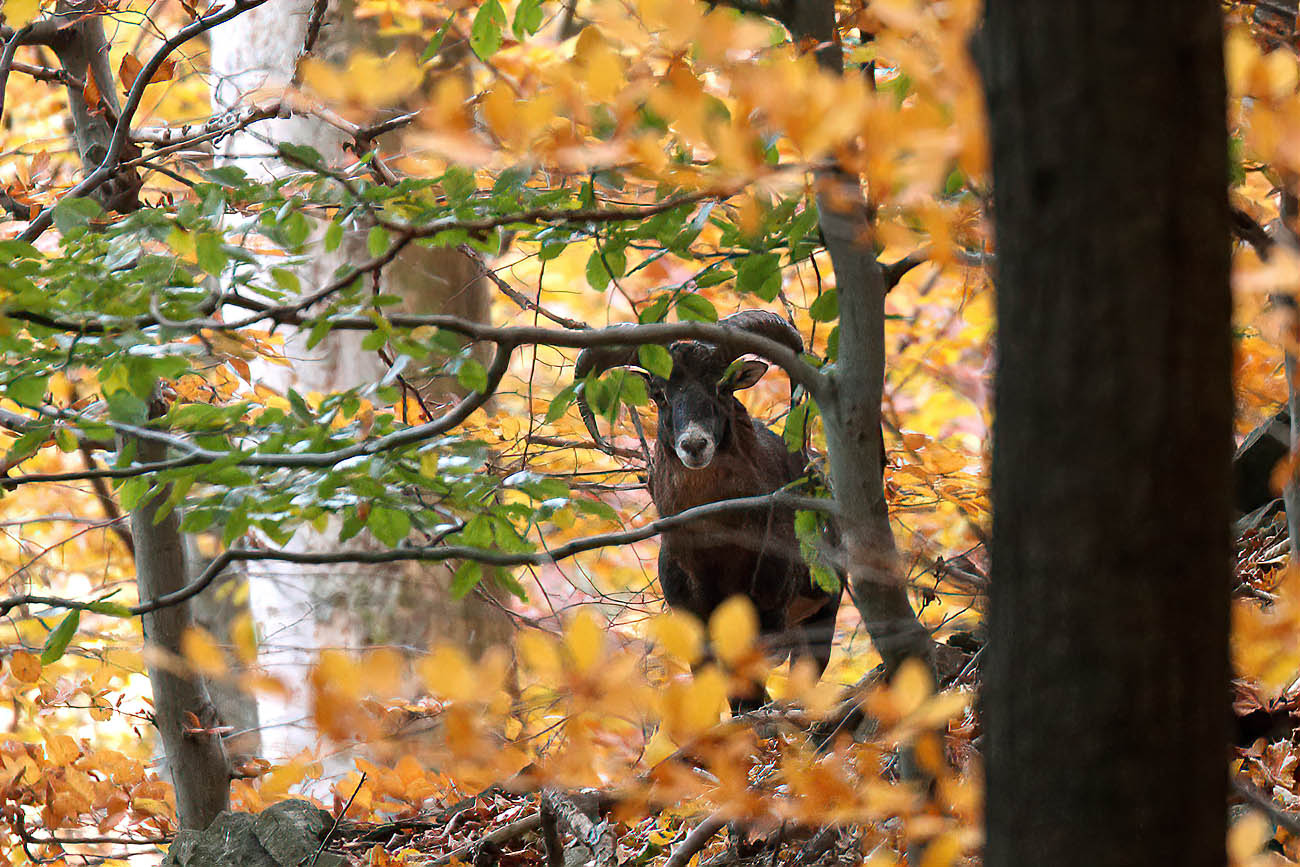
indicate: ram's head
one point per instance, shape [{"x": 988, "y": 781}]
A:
[{"x": 695, "y": 402}]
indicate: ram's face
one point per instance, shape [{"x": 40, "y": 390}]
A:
[{"x": 696, "y": 408}]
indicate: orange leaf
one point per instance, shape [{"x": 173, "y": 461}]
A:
[
  {"x": 130, "y": 68},
  {"x": 25, "y": 667},
  {"x": 90, "y": 93}
]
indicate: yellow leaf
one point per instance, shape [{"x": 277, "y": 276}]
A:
[
  {"x": 733, "y": 629},
  {"x": 539, "y": 654},
  {"x": 911, "y": 686},
  {"x": 585, "y": 641},
  {"x": 25, "y": 667},
  {"x": 680, "y": 635},
  {"x": 382, "y": 668},
  {"x": 202, "y": 652},
  {"x": 941, "y": 851},
  {"x": 368, "y": 80},
  {"x": 1247, "y": 836},
  {"x": 448, "y": 673},
  {"x": 19, "y": 13},
  {"x": 61, "y": 749},
  {"x": 658, "y": 748},
  {"x": 244, "y": 635}
]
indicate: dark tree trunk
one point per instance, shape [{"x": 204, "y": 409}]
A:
[{"x": 1106, "y": 683}]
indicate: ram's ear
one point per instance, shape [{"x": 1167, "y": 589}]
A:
[
  {"x": 743, "y": 374},
  {"x": 654, "y": 385}
]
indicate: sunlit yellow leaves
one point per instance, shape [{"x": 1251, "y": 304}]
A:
[
  {"x": 598, "y": 65},
  {"x": 679, "y": 635},
  {"x": 18, "y": 13},
  {"x": 24, "y": 666},
  {"x": 449, "y": 674},
  {"x": 202, "y": 652},
  {"x": 585, "y": 641},
  {"x": 733, "y": 629},
  {"x": 1250, "y": 72},
  {"x": 1247, "y": 837},
  {"x": 517, "y": 122},
  {"x": 693, "y": 705},
  {"x": 368, "y": 80},
  {"x": 912, "y": 685}
]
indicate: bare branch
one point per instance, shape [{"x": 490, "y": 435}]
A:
[
  {"x": 433, "y": 554},
  {"x": 699, "y": 837},
  {"x": 122, "y": 130}
]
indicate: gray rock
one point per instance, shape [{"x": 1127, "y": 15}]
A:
[{"x": 284, "y": 835}]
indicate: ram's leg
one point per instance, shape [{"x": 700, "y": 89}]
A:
[{"x": 815, "y": 637}]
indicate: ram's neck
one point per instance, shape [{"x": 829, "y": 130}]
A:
[{"x": 735, "y": 471}]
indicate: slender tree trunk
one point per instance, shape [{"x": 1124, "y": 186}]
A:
[
  {"x": 1106, "y": 681},
  {"x": 195, "y": 761},
  {"x": 853, "y": 436}
]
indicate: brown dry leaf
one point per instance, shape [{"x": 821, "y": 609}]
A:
[
  {"x": 129, "y": 70},
  {"x": 90, "y": 93}
]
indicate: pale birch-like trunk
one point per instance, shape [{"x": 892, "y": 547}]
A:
[{"x": 301, "y": 609}]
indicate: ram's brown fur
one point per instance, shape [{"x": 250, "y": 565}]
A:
[{"x": 756, "y": 553}]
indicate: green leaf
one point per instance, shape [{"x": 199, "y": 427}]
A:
[
  {"x": 57, "y": 641},
  {"x": 478, "y": 532},
  {"x": 472, "y": 376},
  {"x": 287, "y": 280},
  {"x": 598, "y": 275},
  {"x": 125, "y": 407},
  {"x": 333, "y": 236},
  {"x": 560, "y": 403},
  {"x": 112, "y": 609},
  {"x": 390, "y": 526},
  {"x": 72, "y": 214},
  {"x": 373, "y": 341},
  {"x": 696, "y": 308},
  {"x": 27, "y": 390},
  {"x": 209, "y": 253},
  {"x": 795, "y": 425},
  {"x": 377, "y": 241},
  {"x": 468, "y": 574},
  {"x": 656, "y": 359},
  {"x": 760, "y": 274},
  {"x": 631, "y": 390},
  {"x": 826, "y": 308},
  {"x": 528, "y": 17},
  {"x": 656, "y": 311},
  {"x": 66, "y": 440},
  {"x": 713, "y": 277},
  {"x": 485, "y": 33},
  {"x": 435, "y": 44},
  {"x": 132, "y": 492}
]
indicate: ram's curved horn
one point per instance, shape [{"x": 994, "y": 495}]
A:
[
  {"x": 599, "y": 359},
  {"x": 767, "y": 324}
]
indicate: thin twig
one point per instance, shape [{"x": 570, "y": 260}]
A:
[
  {"x": 695, "y": 841},
  {"x": 339, "y": 818}
]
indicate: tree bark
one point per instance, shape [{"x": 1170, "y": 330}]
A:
[
  {"x": 196, "y": 761},
  {"x": 302, "y": 608},
  {"x": 82, "y": 50},
  {"x": 853, "y": 437},
  {"x": 1106, "y": 680}
]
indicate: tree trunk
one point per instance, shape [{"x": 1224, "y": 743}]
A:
[
  {"x": 195, "y": 761},
  {"x": 1106, "y": 680},
  {"x": 852, "y": 419},
  {"x": 301, "y": 609}
]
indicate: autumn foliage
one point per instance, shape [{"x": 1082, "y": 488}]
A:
[{"x": 609, "y": 162}]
